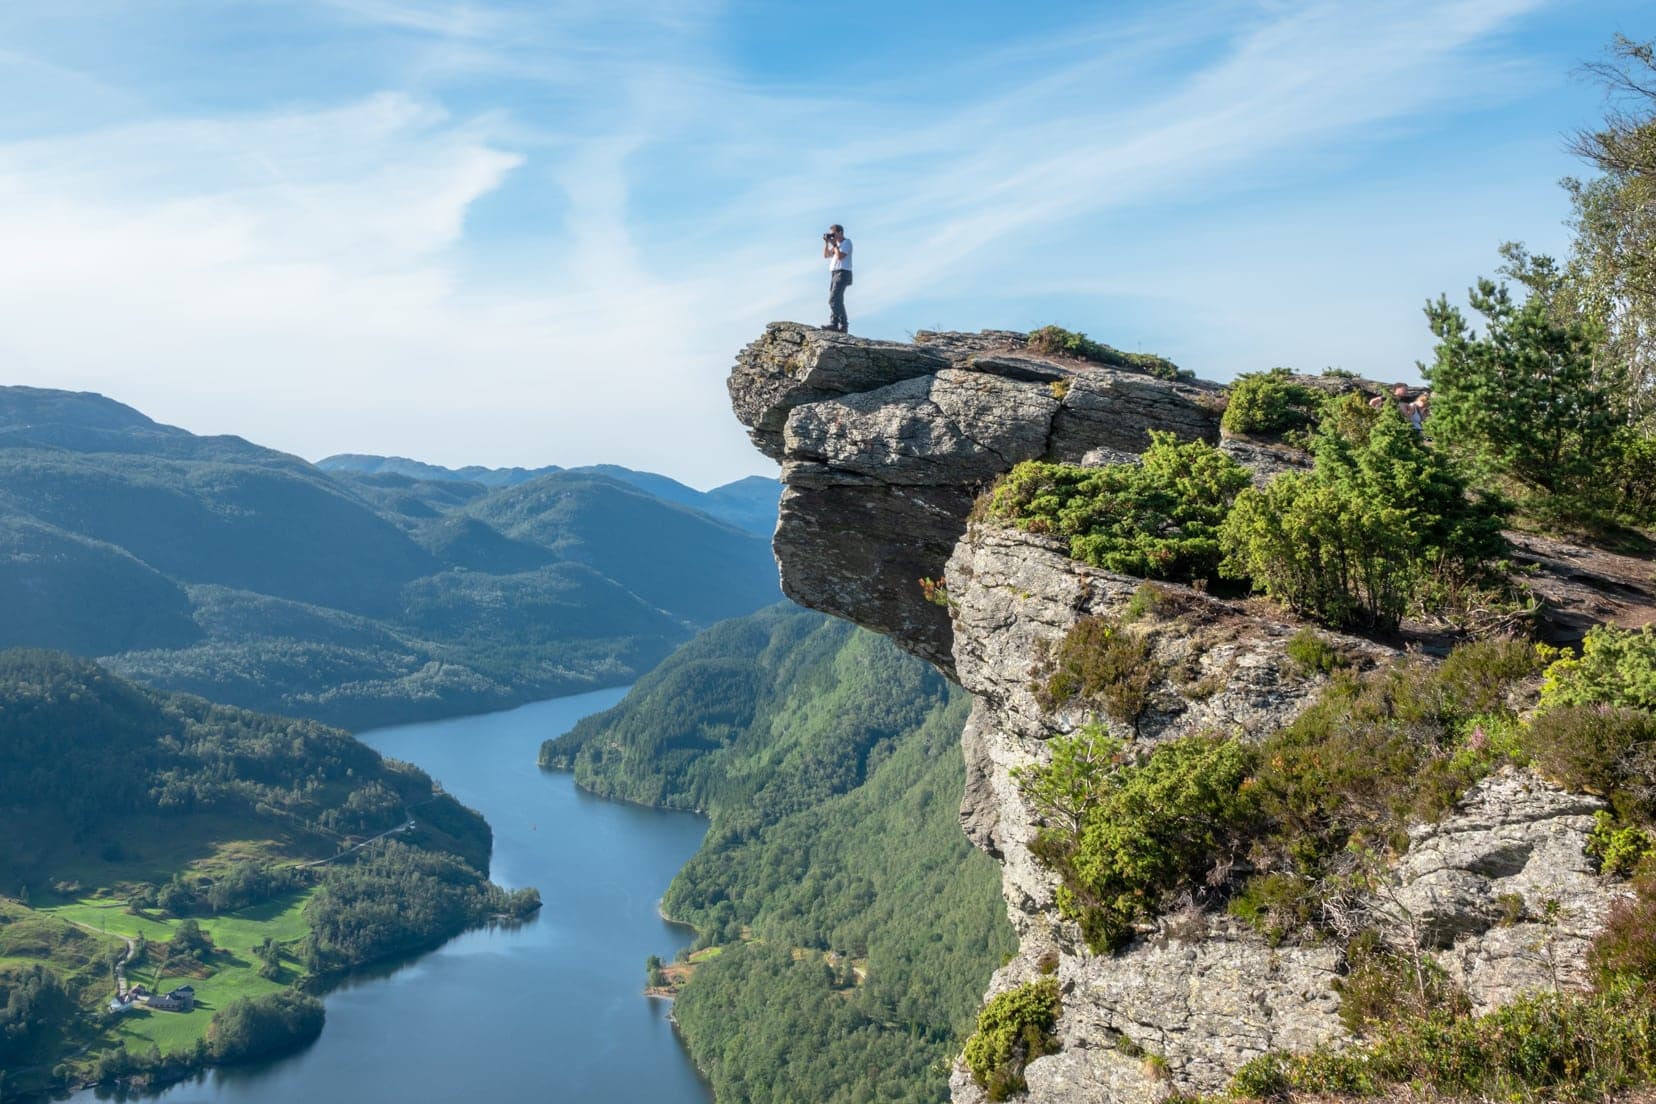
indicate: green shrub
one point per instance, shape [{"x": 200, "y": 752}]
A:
[
  {"x": 1597, "y": 749},
  {"x": 1131, "y": 831},
  {"x": 1146, "y": 598},
  {"x": 1313, "y": 654},
  {"x": 1103, "y": 664},
  {"x": 1013, "y": 1029},
  {"x": 1267, "y": 1077},
  {"x": 1616, "y": 667},
  {"x": 1269, "y": 403},
  {"x": 1382, "y": 521},
  {"x": 1278, "y": 905},
  {"x": 1325, "y": 550},
  {"x": 1619, "y": 848},
  {"x": 1635, "y": 478},
  {"x": 1158, "y": 518},
  {"x": 1057, "y": 341}
]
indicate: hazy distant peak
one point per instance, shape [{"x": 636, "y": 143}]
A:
[
  {"x": 369, "y": 464},
  {"x": 748, "y": 503},
  {"x": 31, "y": 407},
  {"x": 84, "y": 421}
]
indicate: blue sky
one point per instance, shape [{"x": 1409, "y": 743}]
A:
[{"x": 513, "y": 232}]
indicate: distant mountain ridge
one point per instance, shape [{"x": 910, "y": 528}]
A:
[
  {"x": 369, "y": 464},
  {"x": 748, "y": 503},
  {"x": 219, "y": 567}
]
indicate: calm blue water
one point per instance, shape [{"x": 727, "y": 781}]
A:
[{"x": 550, "y": 1011}]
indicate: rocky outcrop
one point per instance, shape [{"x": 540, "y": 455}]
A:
[
  {"x": 884, "y": 448},
  {"x": 1501, "y": 894}
]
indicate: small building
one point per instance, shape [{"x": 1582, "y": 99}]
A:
[{"x": 181, "y": 999}]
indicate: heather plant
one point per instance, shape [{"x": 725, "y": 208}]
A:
[
  {"x": 1384, "y": 985},
  {"x": 1103, "y": 664},
  {"x": 1625, "y": 951},
  {"x": 1313, "y": 654},
  {"x": 1606, "y": 750},
  {"x": 1375, "y": 752},
  {"x": 1540, "y": 1047}
]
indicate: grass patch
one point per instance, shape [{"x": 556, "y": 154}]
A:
[{"x": 1057, "y": 341}]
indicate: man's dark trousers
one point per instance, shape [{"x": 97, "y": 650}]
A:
[{"x": 838, "y": 280}]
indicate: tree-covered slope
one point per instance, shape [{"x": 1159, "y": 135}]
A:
[
  {"x": 372, "y": 595},
  {"x": 89, "y": 762},
  {"x": 855, "y": 925},
  {"x": 200, "y": 844},
  {"x": 671, "y": 556}
]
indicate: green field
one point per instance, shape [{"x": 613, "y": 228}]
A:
[
  {"x": 281, "y": 919},
  {"x": 76, "y": 936}
]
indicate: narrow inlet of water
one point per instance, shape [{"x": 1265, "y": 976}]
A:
[{"x": 550, "y": 1010}]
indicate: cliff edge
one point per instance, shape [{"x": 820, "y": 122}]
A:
[{"x": 885, "y": 447}]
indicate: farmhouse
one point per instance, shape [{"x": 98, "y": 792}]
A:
[{"x": 181, "y": 999}]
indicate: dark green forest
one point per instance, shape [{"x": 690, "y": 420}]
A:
[
  {"x": 141, "y": 809},
  {"x": 109, "y": 785},
  {"x": 856, "y": 927},
  {"x": 217, "y": 567}
]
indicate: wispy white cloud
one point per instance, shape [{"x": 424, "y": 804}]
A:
[
  {"x": 305, "y": 276},
  {"x": 448, "y": 20}
]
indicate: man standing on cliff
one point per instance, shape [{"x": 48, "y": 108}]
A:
[{"x": 837, "y": 248}]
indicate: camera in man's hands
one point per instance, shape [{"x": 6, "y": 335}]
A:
[{"x": 828, "y": 237}]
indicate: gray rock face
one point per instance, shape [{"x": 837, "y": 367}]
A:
[
  {"x": 1502, "y": 893},
  {"x": 884, "y": 448},
  {"x": 1198, "y": 992}
]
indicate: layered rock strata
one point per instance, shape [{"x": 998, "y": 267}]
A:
[{"x": 884, "y": 448}]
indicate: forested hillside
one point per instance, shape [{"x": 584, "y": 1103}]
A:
[
  {"x": 748, "y": 503},
  {"x": 238, "y": 853},
  {"x": 853, "y": 924},
  {"x": 215, "y": 566}
]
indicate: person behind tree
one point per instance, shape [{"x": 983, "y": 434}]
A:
[
  {"x": 1400, "y": 395},
  {"x": 1419, "y": 410}
]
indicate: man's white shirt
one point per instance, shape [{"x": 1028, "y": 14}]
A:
[{"x": 836, "y": 264}]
